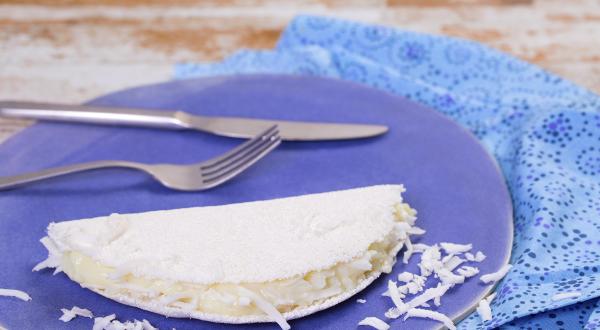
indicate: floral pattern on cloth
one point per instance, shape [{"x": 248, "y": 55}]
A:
[{"x": 543, "y": 130}]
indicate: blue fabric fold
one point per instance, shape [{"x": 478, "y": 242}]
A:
[{"x": 543, "y": 130}]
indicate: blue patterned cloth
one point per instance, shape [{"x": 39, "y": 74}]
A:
[{"x": 543, "y": 130}]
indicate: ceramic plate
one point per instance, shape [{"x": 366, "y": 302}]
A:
[{"x": 450, "y": 179}]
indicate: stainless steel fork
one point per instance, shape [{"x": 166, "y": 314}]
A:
[{"x": 199, "y": 176}]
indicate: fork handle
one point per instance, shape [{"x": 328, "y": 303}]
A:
[
  {"x": 91, "y": 114},
  {"x": 22, "y": 179}
]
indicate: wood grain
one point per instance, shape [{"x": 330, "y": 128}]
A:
[{"x": 73, "y": 50}]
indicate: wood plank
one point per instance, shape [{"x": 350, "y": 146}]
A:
[{"x": 73, "y": 50}]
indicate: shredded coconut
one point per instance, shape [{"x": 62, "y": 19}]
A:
[
  {"x": 484, "y": 310},
  {"x": 479, "y": 257},
  {"x": 147, "y": 326},
  {"x": 424, "y": 313},
  {"x": 429, "y": 294},
  {"x": 53, "y": 260},
  {"x": 69, "y": 314},
  {"x": 392, "y": 313},
  {"x": 496, "y": 276},
  {"x": 361, "y": 301},
  {"x": 110, "y": 323},
  {"x": 566, "y": 295},
  {"x": 100, "y": 323},
  {"x": 453, "y": 262},
  {"x": 409, "y": 251},
  {"x": 396, "y": 296},
  {"x": 414, "y": 230},
  {"x": 266, "y": 307},
  {"x": 375, "y": 323},
  {"x": 468, "y": 271},
  {"x": 405, "y": 277},
  {"x": 433, "y": 262},
  {"x": 452, "y": 248},
  {"x": 447, "y": 277},
  {"x": 15, "y": 293},
  {"x": 419, "y": 247}
]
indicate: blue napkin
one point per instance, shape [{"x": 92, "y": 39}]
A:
[{"x": 543, "y": 130}]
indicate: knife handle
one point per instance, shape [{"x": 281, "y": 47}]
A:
[{"x": 92, "y": 114}]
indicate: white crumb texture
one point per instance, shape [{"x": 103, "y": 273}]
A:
[
  {"x": 246, "y": 242},
  {"x": 361, "y": 301},
  {"x": 484, "y": 310},
  {"x": 443, "y": 261},
  {"x": 110, "y": 322},
  {"x": 452, "y": 248},
  {"x": 496, "y": 276},
  {"x": 429, "y": 314},
  {"x": 374, "y": 323},
  {"x": 70, "y": 314},
  {"x": 15, "y": 293}
]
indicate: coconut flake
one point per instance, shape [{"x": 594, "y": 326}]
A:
[
  {"x": 453, "y": 262},
  {"x": 15, "y": 293},
  {"x": 392, "y": 313},
  {"x": 405, "y": 277},
  {"x": 69, "y": 314},
  {"x": 266, "y": 307},
  {"x": 419, "y": 247},
  {"x": 469, "y": 256},
  {"x": 436, "y": 316},
  {"x": 409, "y": 251},
  {"x": 428, "y": 295},
  {"x": 496, "y": 276},
  {"x": 53, "y": 259},
  {"x": 168, "y": 299},
  {"x": 147, "y": 326},
  {"x": 430, "y": 260},
  {"x": 414, "y": 230},
  {"x": 361, "y": 301},
  {"x": 566, "y": 295},
  {"x": 468, "y": 271},
  {"x": 447, "y": 277},
  {"x": 110, "y": 323},
  {"x": 452, "y": 248},
  {"x": 484, "y": 310},
  {"x": 375, "y": 323},
  {"x": 100, "y": 323},
  {"x": 396, "y": 296},
  {"x": 479, "y": 257},
  {"x": 414, "y": 287}
]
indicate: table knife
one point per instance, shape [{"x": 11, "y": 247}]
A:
[{"x": 236, "y": 127}]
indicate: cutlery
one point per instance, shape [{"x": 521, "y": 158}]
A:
[
  {"x": 199, "y": 176},
  {"x": 225, "y": 126}
]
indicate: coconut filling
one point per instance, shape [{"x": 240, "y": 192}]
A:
[{"x": 244, "y": 299}]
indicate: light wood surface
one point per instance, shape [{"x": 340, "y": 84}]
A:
[{"x": 73, "y": 50}]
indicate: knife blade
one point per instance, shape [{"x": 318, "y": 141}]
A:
[{"x": 236, "y": 127}]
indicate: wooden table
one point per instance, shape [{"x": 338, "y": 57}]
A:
[{"x": 73, "y": 50}]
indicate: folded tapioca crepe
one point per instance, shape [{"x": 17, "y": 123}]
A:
[{"x": 262, "y": 261}]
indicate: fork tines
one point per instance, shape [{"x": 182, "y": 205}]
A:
[{"x": 241, "y": 157}]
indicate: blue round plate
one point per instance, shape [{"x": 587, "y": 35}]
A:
[{"x": 454, "y": 184}]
